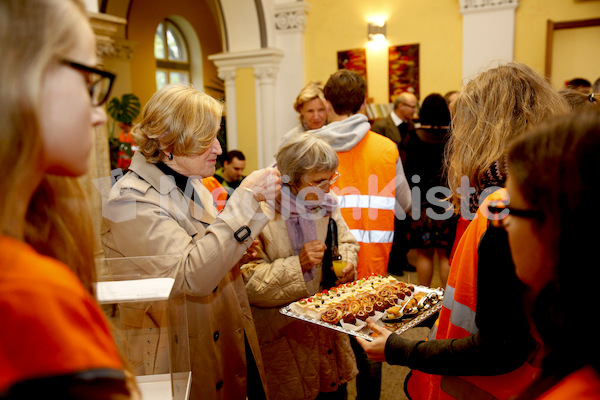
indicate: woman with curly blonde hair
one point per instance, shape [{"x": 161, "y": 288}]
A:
[
  {"x": 472, "y": 338},
  {"x": 490, "y": 111}
]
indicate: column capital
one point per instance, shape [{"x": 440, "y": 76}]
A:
[
  {"x": 247, "y": 59},
  {"x": 228, "y": 74},
  {"x": 470, "y": 6},
  {"x": 106, "y": 29},
  {"x": 291, "y": 17},
  {"x": 266, "y": 74}
]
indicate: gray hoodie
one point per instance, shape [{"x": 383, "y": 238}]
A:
[{"x": 344, "y": 135}]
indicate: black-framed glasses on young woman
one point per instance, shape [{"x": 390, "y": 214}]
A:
[
  {"x": 501, "y": 212},
  {"x": 99, "y": 82}
]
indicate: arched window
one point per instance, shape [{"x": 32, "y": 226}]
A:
[{"x": 172, "y": 56}]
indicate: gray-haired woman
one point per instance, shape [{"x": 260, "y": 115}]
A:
[
  {"x": 161, "y": 208},
  {"x": 301, "y": 360}
]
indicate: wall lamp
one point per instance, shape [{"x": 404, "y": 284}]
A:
[{"x": 376, "y": 31}]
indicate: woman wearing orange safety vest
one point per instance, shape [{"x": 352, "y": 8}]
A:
[
  {"x": 372, "y": 185},
  {"x": 483, "y": 341}
]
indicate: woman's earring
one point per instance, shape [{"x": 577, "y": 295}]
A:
[{"x": 170, "y": 156}]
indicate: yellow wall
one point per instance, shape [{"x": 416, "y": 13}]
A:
[
  {"x": 144, "y": 17},
  {"x": 571, "y": 55},
  {"x": 530, "y": 29},
  {"x": 245, "y": 89},
  {"x": 436, "y": 25}
]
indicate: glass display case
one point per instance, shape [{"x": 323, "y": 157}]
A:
[{"x": 150, "y": 321}]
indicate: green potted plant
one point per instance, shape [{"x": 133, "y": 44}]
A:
[{"x": 123, "y": 112}]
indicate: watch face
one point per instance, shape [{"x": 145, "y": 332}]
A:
[{"x": 242, "y": 234}]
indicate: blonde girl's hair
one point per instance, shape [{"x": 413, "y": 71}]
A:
[
  {"x": 177, "y": 119},
  {"x": 489, "y": 112},
  {"x": 305, "y": 153},
  {"x": 34, "y": 35}
]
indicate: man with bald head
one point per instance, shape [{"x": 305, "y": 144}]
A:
[{"x": 397, "y": 125}]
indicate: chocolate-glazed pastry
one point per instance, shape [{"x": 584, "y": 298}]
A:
[
  {"x": 379, "y": 305},
  {"x": 362, "y": 315},
  {"x": 349, "y": 318}
]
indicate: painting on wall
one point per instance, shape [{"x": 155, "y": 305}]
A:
[
  {"x": 354, "y": 60},
  {"x": 404, "y": 70}
]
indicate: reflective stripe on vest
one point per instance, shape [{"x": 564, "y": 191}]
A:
[
  {"x": 365, "y": 201},
  {"x": 366, "y": 191},
  {"x": 373, "y": 236},
  {"x": 461, "y": 315}
]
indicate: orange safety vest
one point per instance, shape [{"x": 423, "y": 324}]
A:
[
  {"x": 366, "y": 190},
  {"x": 218, "y": 192},
  {"x": 51, "y": 326},
  {"x": 457, "y": 320},
  {"x": 583, "y": 384}
]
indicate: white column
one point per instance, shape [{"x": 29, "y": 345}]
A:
[
  {"x": 265, "y": 121},
  {"x": 289, "y": 23},
  {"x": 266, "y": 67},
  {"x": 488, "y": 34}
]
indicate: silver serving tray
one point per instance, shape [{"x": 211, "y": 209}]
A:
[{"x": 365, "y": 332}]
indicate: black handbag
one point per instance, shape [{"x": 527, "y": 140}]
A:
[{"x": 329, "y": 277}]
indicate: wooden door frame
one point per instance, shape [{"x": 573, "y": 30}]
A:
[{"x": 554, "y": 26}]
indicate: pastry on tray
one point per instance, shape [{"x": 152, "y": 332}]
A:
[{"x": 353, "y": 301}]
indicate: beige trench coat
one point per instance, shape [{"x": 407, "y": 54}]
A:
[
  {"x": 300, "y": 359},
  {"x": 147, "y": 215}
]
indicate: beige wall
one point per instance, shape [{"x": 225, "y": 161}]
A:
[
  {"x": 436, "y": 25},
  {"x": 335, "y": 25},
  {"x": 530, "y": 29},
  {"x": 245, "y": 88},
  {"x": 144, "y": 17}
]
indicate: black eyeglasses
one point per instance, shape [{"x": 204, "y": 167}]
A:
[
  {"x": 496, "y": 208},
  {"x": 99, "y": 82}
]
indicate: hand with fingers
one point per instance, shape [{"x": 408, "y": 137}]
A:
[
  {"x": 349, "y": 274},
  {"x": 376, "y": 349},
  {"x": 251, "y": 253},
  {"x": 312, "y": 254},
  {"x": 264, "y": 183}
]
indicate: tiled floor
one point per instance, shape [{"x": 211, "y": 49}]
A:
[{"x": 393, "y": 376}]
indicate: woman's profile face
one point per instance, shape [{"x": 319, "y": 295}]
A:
[
  {"x": 313, "y": 113},
  {"x": 530, "y": 250},
  {"x": 66, "y": 113},
  {"x": 202, "y": 165}
]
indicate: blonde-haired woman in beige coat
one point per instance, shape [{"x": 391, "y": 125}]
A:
[
  {"x": 160, "y": 208},
  {"x": 302, "y": 360}
]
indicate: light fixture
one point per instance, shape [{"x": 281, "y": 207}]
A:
[{"x": 376, "y": 31}]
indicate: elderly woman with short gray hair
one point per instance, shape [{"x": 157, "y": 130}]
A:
[{"x": 301, "y": 360}]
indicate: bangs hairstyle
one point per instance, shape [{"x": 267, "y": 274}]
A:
[
  {"x": 305, "y": 153},
  {"x": 177, "y": 119},
  {"x": 312, "y": 90},
  {"x": 34, "y": 35},
  {"x": 492, "y": 110}
]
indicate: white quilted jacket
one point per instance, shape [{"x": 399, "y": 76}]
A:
[{"x": 301, "y": 359}]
